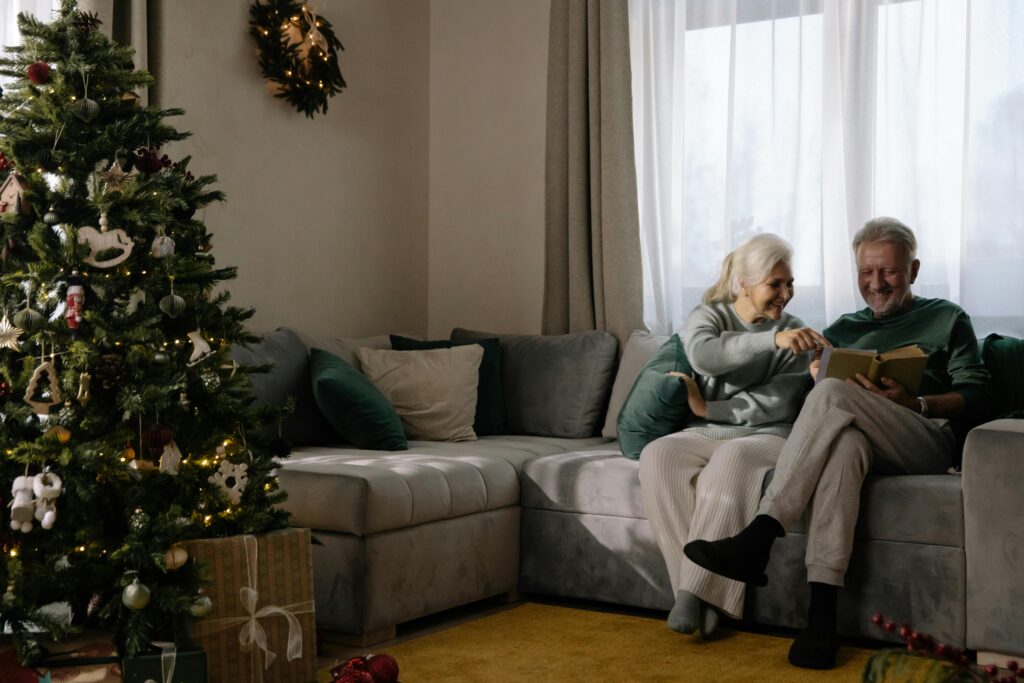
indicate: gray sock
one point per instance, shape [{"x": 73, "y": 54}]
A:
[
  {"x": 685, "y": 614},
  {"x": 709, "y": 619}
]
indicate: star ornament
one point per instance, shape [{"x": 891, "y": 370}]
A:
[
  {"x": 9, "y": 334},
  {"x": 115, "y": 179}
]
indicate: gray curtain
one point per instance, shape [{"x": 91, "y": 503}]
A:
[
  {"x": 127, "y": 22},
  {"x": 592, "y": 272}
]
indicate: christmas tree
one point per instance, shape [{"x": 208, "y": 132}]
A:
[{"x": 125, "y": 426}]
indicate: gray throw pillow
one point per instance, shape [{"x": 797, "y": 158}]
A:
[
  {"x": 640, "y": 348},
  {"x": 289, "y": 376},
  {"x": 554, "y": 385}
]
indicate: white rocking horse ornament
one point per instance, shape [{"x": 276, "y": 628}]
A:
[{"x": 103, "y": 240}]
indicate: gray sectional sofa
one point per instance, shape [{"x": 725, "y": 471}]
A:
[{"x": 409, "y": 533}]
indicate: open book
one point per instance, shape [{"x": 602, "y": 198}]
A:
[{"x": 905, "y": 365}]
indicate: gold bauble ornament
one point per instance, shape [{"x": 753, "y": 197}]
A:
[
  {"x": 175, "y": 557},
  {"x": 58, "y": 433}
]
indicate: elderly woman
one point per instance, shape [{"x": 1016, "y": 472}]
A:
[{"x": 751, "y": 358}]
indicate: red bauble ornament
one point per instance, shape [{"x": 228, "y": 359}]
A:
[
  {"x": 383, "y": 667},
  {"x": 4, "y": 162},
  {"x": 39, "y": 73},
  {"x": 147, "y": 161},
  {"x": 355, "y": 677},
  {"x": 5, "y": 389}
]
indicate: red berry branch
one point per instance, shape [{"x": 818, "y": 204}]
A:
[{"x": 926, "y": 645}]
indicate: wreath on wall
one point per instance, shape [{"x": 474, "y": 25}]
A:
[{"x": 298, "y": 53}]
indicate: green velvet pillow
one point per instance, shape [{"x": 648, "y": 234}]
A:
[
  {"x": 353, "y": 406},
  {"x": 656, "y": 405},
  {"x": 1004, "y": 358},
  {"x": 490, "y": 397}
]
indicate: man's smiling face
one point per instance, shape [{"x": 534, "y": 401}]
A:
[{"x": 884, "y": 276}]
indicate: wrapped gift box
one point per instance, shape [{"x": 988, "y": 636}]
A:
[
  {"x": 262, "y": 626},
  {"x": 168, "y": 665}
]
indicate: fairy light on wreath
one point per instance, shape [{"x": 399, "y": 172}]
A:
[{"x": 298, "y": 53}]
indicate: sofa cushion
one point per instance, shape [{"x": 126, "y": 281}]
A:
[
  {"x": 657, "y": 403},
  {"x": 433, "y": 391},
  {"x": 289, "y": 375},
  {"x": 490, "y": 401},
  {"x": 596, "y": 480},
  {"x": 364, "y": 492},
  {"x": 344, "y": 347},
  {"x": 1004, "y": 359},
  {"x": 640, "y": 348},
  {"x": 555, "y": 385},
  {"x": 358, "y": 411}
]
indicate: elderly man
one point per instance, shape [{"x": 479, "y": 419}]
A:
[{"x": 847, "y": 429}]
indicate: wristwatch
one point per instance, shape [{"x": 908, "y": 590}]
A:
[{"x": 924, "y": 406}]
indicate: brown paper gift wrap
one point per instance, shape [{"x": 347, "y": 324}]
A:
[{"x": 262, "y": 628}]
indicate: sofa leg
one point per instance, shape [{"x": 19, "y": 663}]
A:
[{"x": 358, "y": 639}]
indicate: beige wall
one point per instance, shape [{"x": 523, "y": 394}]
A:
[
  {"x": 415, "y": 204},
  {"x": 325, "y": 218},
  {"x": 488, "y": 80}
]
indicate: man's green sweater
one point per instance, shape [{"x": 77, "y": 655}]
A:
[{"x": 941, "y": 328}]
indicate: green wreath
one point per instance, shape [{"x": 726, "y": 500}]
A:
[{"x": 298, "y": 52}]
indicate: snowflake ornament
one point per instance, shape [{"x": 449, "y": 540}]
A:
[{"x": 231, "y": 478}]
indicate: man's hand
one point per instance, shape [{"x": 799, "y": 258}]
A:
[
  {"x": 698, "y": 406},
  {"x": 800, "y": 339},
  {"x": 890, "y": 389}
]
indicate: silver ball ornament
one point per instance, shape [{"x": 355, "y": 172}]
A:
[
  {"x": 135, "y": 595},
  {"x": 51, "y": 217},
  {"x": 161, "y": 358}
]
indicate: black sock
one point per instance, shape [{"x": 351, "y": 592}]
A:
[
  {"x": 742, "y": 557},
  {"x": 822, "y": 612},
  {"x": 816, "y": 646}
]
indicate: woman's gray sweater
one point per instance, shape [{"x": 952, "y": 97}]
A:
[{"x": 751, "y": 387}]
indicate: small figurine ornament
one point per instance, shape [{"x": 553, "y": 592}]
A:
[
  {"x": 75, "y": 303},
  {"x": 47, "y": 486},
  {"x": 22, "y": 505}
]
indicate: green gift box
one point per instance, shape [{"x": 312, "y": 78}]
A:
[{"x": 168, "y": 665}]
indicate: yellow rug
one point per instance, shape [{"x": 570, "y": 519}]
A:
[{"x": 555, "y": 644}]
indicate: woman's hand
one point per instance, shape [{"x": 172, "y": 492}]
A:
[
  {"x": 698, "y": 406},
  {"x": 800, "y": 339}
]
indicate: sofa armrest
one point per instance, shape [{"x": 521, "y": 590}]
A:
[{"x": 993, "y": 483}]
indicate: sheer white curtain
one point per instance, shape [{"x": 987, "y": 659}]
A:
[
  {"x": 9, "y": 10},
  {"x": 806, "y": 118}
]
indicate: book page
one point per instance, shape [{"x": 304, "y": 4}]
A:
[{"x": 844, "y": 363}]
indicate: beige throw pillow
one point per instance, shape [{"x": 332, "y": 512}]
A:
[{"x": 433, "y": 391}]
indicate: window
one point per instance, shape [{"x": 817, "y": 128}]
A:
[{"x": 806, "y": 119}]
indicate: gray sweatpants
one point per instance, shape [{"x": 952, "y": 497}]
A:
[
  {"x": 696, "y": 487},
  {"x": 843, "y": 433}
]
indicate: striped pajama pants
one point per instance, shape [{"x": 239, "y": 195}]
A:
[{"x": 696, "y": 487}]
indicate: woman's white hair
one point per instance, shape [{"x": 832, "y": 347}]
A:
[
  {"x": 748, "y": 264},
  {"x": 887, "y": 229}
]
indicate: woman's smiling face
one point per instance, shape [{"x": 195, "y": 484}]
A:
[{"x": 767, "y": 299}]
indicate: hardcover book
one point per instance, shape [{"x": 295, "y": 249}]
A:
[{"x": 905, "y": 365}]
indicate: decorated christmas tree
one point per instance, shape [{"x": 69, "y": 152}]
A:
[{"x": 125, "y": 426}]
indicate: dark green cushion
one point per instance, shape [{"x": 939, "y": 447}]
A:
[
  {"x": 490, "y": 399},
  {"x": 353, "y": 406},
  {"x": 656, "y": 405},
  {"x": 1004, "y": 359}
]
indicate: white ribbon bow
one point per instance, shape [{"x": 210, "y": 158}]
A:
[{"x": 252, "y": 632}]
